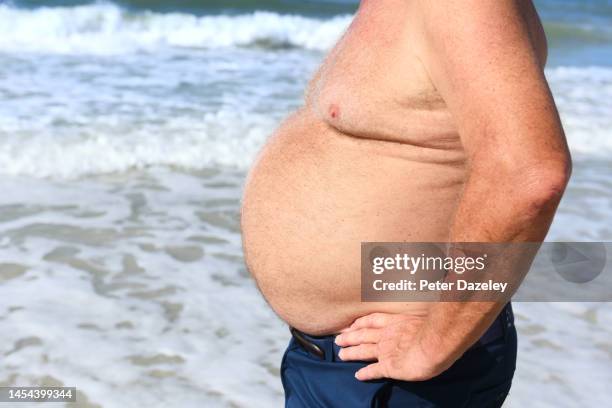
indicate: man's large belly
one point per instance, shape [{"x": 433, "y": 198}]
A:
[{"x": 315, "y": 194}]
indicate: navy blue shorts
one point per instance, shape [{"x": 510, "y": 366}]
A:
[{"x": 481, "y": 378}]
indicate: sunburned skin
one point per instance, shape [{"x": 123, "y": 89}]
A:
[{"x": 373, "y": 155}]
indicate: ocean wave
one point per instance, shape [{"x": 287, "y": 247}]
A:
[
  {"x": 222, "y": 138},
  {"x": 108, "y": 29}
]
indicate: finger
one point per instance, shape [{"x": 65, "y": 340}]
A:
[
  {"x": 359, "y": 336},
  {"x": 364, "y": 352},
  {"x": 370, "y": 372},
  {"x": 375, "y": 320}
]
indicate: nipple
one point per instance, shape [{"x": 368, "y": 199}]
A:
[{"x": 334, "y": 111}]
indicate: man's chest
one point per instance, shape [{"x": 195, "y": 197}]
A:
[{"x": 373, "y": 86}]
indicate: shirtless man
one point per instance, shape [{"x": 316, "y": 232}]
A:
[{"x": 428, "y": 121}]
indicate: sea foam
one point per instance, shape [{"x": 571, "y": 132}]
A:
[
  {"x": 104, "y": 28},
  {"x": 183, "y": 143}
]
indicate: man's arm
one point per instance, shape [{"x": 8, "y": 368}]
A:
[{"x": 481, "y": 59}]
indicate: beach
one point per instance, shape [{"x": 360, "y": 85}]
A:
[{"x": 126, "y": 133}]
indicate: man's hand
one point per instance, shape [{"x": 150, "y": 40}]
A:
[{"x": 393, "y": 341}]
